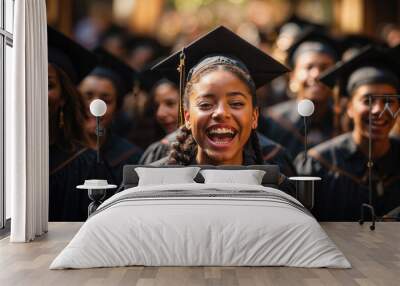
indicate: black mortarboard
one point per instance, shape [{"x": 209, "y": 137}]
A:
[
  {"x": 300, "y": 22},
  {"x": 66, "y": 54},
  {"x": 149, "y": 79},
  {"x": 313, "y": 39},
  {"x": 222, "y": 41},
  {"x": 355, "y": 42},
  {"x": 373, "y": 64},
  {"x": 114, "y": 69},
  {"x": 136, "y": 42}
]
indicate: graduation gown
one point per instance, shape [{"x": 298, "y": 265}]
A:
[
  {"x": 344, "y": 173},
  {"x": 284, "y": 116},
  {"x": 158, "y": 149},
  {"x": 68, "y": 170},
  {"x": 272, "y": 153},
  {"x": 117, "y": 152}
]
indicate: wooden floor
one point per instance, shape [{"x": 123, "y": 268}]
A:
[{"x": 375, "y": 257}]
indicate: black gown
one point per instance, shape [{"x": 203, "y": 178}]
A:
[
  {"x": 272, "y": 153},
  {"x": 344, "y": 173},
  {"x": 117, "y": 152},
  {"x": 285, "y": 117},
  {"x": 68, "y": 170}
]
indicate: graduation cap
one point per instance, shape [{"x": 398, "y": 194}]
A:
[
  {"x": 221, "y": 41},
  {"x": 66, "y": 54},
  {"x": 313, "y": 40},
  {"x": 295, "y": 24},
  {"x": 355, "y": 42},
  {"x": 109, "y": 66},
  {"x": 120, "y": 74},
  {"x": 149, "y": 79},
  {"x": 373, "y": 64},
  {"x": 134, "y": 43}
]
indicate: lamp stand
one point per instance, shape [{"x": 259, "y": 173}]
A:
[
  {"x": 370, "y": 164},
  {"x": 99, "y": 133},
  {"x": 305, "y": 140}
]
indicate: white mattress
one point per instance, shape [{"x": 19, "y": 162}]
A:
[{"x": 272, "y": 229}]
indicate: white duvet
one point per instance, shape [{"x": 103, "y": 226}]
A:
[{"x": 225, "y": 225}]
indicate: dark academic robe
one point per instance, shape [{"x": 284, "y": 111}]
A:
[
  {"x": 158, "y": 149},
  {"x": 276, "y": 92},
  {"x": 122, "y": 125},
  {"x": 116, "y": 153},
  {"x": 284, "y": 116},
  {"x": 272, "y": 152},
  {"x": 344, "y": 173},
  {"x": 68, "y": 170}
]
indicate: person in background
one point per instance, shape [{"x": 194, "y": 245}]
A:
[
  {"x": 71, "y": 162},
  {"x": 113, "y": 41},
  {"x": 342, "y": 162},
  {"x": 219, "y": 102},
  {"x": 390, "y": 33},
  {"x": 89, "y": 29},
  {"x": 313, "y": 53},
  {"x": 287, "y": 33},
  {"x": 143, "y": 50},
  {"x": 163, "y": 100},
  {"x": 110, "y": 81}
]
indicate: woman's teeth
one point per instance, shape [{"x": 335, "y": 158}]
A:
[
  {"x": 221, "y": 135},
  {"x": 219, "y": 131}
]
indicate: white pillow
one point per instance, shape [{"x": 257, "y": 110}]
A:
[
  {"x": 248, "y": 177},
  {"x": 164, "y": 176}
]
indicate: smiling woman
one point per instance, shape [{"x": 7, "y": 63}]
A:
[
  {"x": 222, "y": 114},
  {"x": 219, "y": 103}
]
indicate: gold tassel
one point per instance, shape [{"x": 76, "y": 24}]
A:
[{"x": 181, "y": 69}]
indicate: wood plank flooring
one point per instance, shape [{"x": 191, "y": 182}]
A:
[{"x": 374, "y": 255}]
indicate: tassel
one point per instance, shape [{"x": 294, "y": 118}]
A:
[{"x": 181, "y": 70}]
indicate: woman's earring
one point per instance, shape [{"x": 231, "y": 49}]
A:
[{"x": 61, "y": 120}]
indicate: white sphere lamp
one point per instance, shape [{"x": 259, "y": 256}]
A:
[
  {"x": 98, "y": 107},
  {"x": 305, "y": 107}
]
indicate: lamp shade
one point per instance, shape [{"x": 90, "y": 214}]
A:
[
  {"x": 305, "y": 107},
  {"x": 98, "y": 107}
]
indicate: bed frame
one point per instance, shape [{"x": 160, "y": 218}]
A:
[{"x": 270, "y": 179}]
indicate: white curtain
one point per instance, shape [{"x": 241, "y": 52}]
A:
[{"x": 27, "y": 124}]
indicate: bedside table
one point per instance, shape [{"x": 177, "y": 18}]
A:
[
  {"x": 305, "y": 189},
  {"x": 97, "y": 190}
]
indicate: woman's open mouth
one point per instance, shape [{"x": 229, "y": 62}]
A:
[{"x": 221, "y": 136}]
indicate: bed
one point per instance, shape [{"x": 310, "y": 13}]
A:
[{"x": 201, "y": 224}]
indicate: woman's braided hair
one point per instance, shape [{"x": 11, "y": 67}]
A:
[{"x": 185, "y": 148}]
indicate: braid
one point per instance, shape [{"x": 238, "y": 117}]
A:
[
  {"x": 255, "y": 144},
  {"x": 184, "y": 149}
]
